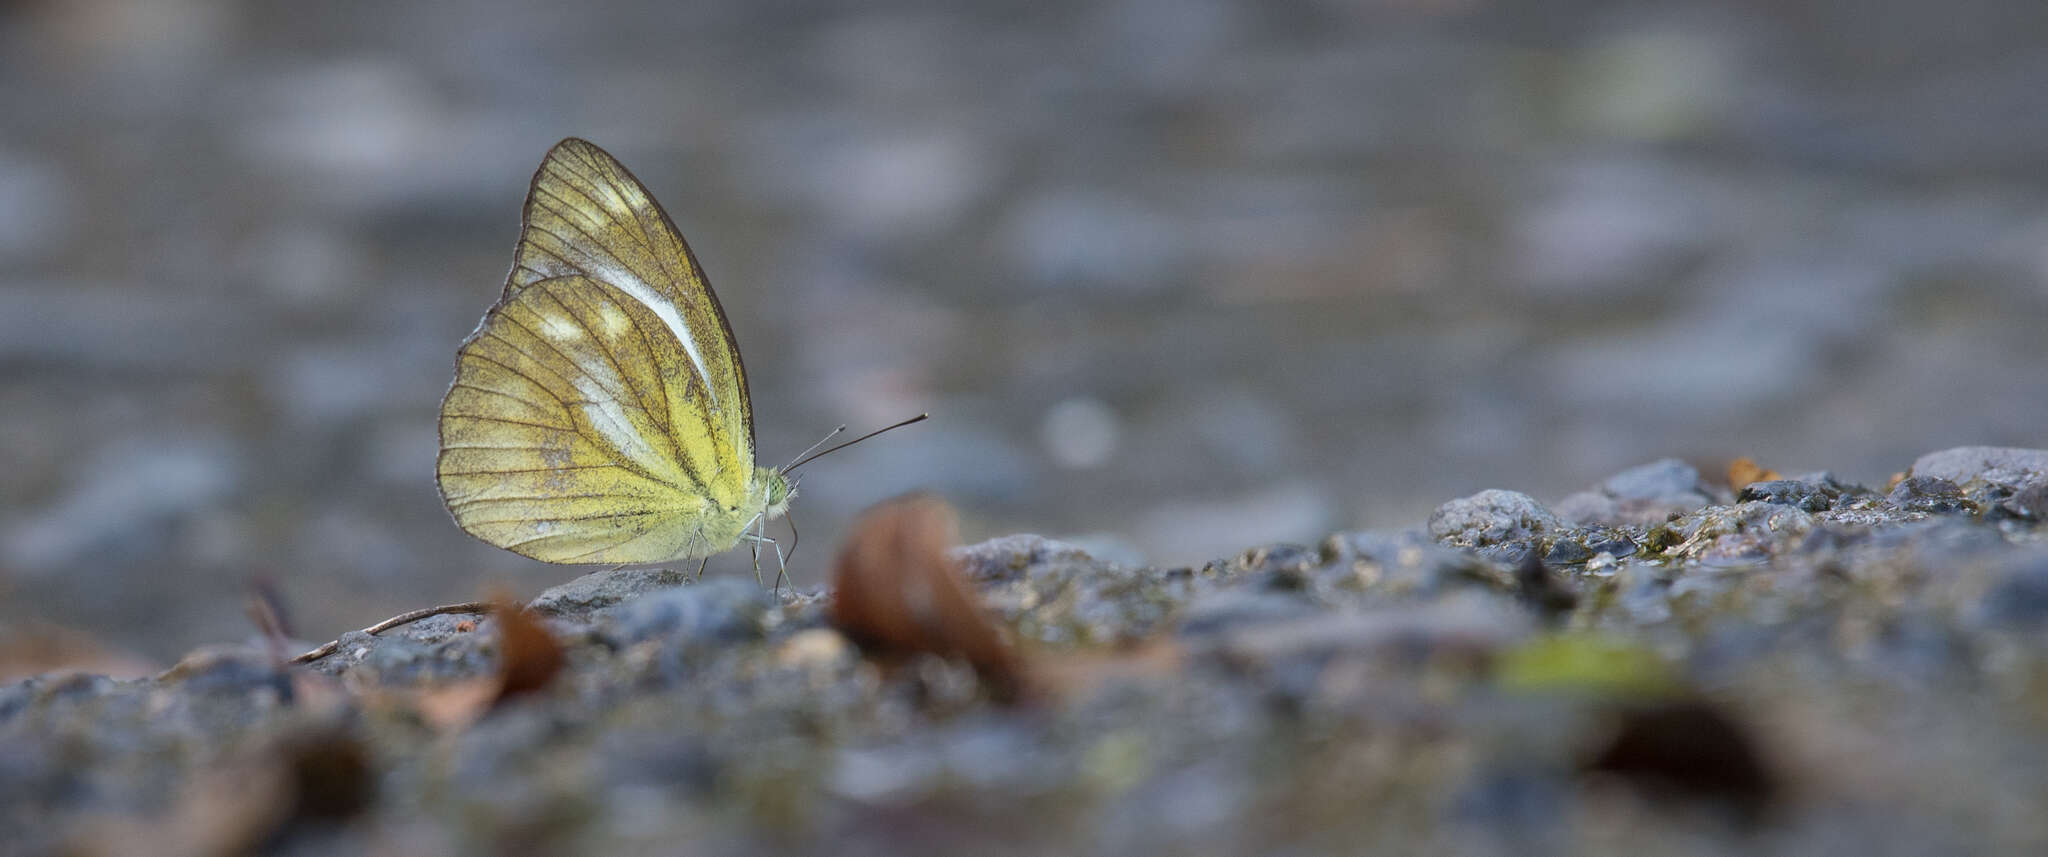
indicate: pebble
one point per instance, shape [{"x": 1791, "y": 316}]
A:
[
  {"x": 2003, "y": 465},
  {"x": 1492, "y": 517}
]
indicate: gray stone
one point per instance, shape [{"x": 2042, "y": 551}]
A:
[
  {"x": 1492, "y": 517},
  {"x": 1928, "y": 494},
  {"x": 727, "y": 609},
  {"x": 2000, "y": 464},
  {"x": 1588, "y": 507},
  {"x": 1657, "y": 480},
  {"x": 1012, "y": 557},
  {"x": 579, "y": 598},
  {"x": 1814, "y": 496}
]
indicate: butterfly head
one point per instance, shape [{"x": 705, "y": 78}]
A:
[{"x": 780, "y": 491}]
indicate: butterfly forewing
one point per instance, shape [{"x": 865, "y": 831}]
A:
[
  {"x": 599, "y": 413},
  {"x": 587, "y": 215}
]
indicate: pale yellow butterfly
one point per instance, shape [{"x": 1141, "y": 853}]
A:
[{"x": 600, "y": 412}]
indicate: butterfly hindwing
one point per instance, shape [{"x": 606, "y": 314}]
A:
[{"x": 557, "y": 443}]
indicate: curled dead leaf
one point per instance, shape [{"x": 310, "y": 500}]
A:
[
  {"x": 528, "y": 656},
  {"x": 528, "y": 659},
  {"x": 897, "y": 592}
]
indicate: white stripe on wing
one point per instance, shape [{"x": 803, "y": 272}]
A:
[{"x": 625, "y": 281}]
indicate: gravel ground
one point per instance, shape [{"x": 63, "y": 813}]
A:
[{"x": 1662, "y": 665}]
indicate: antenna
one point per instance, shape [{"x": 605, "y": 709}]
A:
[
  {"x": 807, "y": 450},
  {"x": 808, "y": 458}
]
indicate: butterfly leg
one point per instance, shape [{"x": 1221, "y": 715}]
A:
[
  {"x": 781, "y": 559},
  {"x": 754, "y": 540},
  {"x": 701, "y": 566}
]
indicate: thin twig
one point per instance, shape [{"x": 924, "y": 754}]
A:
[{"x": 395, "y": 621}]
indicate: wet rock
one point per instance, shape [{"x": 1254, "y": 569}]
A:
[
  {"x": 2029, "y": 504},
  {"x": 1930, "y": 494},
  {"x": 1744, "y": 531},
  {"x": 579, "y": 599},
  {"x": 1565, "y": 551},
  {"x": 1812, "y": 496}
]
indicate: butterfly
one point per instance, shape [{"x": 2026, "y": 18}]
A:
[{"x": 599, "y": 413}]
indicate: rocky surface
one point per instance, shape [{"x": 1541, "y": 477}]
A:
[{"x": 1800, "y": 666}]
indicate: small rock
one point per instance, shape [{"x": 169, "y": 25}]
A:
[
  {"x": 1012, "y": 557},
  {"x": 2004, "y": 465},
  {"x": 1738, "y": 533},
  {"x": 1657, "y": 480},
  {"x": 1492, "y": 517},
  {"x": 1931, "y": 494},
  {"x": 1565, "y": 551},
  {"x": 723, "y": 610},
  {"x": 2030, "y": 504},
  {"x": 1588, "y": 507},
  {"x": 1817, "y": 496},
  {"x": 581, "y": 597},
  {"x": 1652, "y": 493}
]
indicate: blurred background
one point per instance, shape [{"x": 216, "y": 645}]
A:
[{"x": 1174, "y": 277}]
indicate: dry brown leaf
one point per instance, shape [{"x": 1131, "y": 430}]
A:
[
  {"x": 1745, "y": 470},
  {"x": 528, "y": 658},
  {"x": 897, "y": 592}
]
